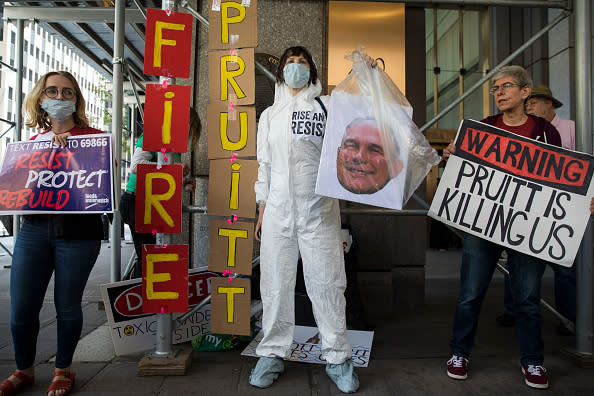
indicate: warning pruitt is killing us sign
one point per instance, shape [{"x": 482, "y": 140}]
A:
[{"x": 517, "y": 192}]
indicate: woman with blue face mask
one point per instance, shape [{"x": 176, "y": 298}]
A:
[
  {"x": 294, "y": 221},
  {"x": 63, "y": 245}
]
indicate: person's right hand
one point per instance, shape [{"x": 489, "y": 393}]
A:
[
  {"x": 592, "y": 206},
  {"x": 451, "y": 149},
  {"x": 257, "y": 231}
]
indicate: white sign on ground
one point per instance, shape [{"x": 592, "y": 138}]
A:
[
  {"x": 307, "y": 346},
  {"x": 133, "y": 331}
]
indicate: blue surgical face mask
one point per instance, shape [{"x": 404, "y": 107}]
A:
[
  {"x": 296, "y": 75},
  {"x": 59, "y": 110}
]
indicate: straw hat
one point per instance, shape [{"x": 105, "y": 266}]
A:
[{"x": 542, "y": 91}]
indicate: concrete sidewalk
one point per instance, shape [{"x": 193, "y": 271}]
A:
[{"x": 408, "y": 356}]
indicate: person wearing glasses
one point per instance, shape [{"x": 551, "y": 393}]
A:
[
  {"x": 511, "y": 87},
  {"x": 63, "y": 245}
]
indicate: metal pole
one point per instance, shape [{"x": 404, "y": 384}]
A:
[
  {"x": 116, "y": 126},
  {"x": 583, "y": 124},
  {"x": 504, "y": 62},
  {"x": 18, "y": 89}
]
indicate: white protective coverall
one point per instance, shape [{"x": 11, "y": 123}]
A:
[{"x": 297, "y": 220}]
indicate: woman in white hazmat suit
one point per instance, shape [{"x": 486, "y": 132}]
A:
[{"x": 292, "y": 220}]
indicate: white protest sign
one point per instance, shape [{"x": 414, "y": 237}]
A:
[
  {"x": 307, "y": 347},
  {"x": 517, "y": 192},
  {"x": 133, "y": 331}
]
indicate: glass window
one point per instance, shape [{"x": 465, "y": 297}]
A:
[
  {"x": 36, "y": 53},
  {"x": 9, "y": 93},
  {"x": 12, "y": 37},
  {"x": 26, "y": 46}
]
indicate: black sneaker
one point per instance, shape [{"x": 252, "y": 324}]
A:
[{"x": 506, "y": 320}]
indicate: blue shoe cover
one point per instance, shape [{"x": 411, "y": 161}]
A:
[
  {"x": 343, "y": 376},
  {"x": 266, "y": 371}
]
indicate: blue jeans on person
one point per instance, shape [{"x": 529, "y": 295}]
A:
[
  {"x": 37, "y": 255},
  {"x": 479, "y": 260},
  {"x": 565, "y": 292}
]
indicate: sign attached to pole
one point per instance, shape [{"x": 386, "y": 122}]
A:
[
  {"x": 165, "y": 278},
  {"x": 168, "y": 43},
  {"x": 166, "y": 118},
  {"x": 517, "y": 192},
  {"x": 158, "y": 198}
]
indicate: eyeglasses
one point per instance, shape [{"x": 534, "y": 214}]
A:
[
  {"x": 52, "y": 92},
  {"x": 504, "y": 87}
]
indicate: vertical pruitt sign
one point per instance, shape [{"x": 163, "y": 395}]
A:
[
  {"x": 231, "y": 119},
  {"x": 159, "y": 187}
]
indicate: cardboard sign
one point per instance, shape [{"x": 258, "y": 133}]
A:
[
  {"x": 165, "y": 278},
  {"x": 307, "y": 347},
  {"x": 231, "y": 131},
  {"x": 159, "y": 198},
  {"x": 232, "y": 77},
  {"x": 232, "y": 24},
  {"x": 230, "y": 306},
  {"x": 40, "y": 177},
  {"x": 134, "y": 331},
  {"x": 168, "y": 43},
  {"x": 167, "y": 116},
  {"x": 525, "y": 195},
  {"x": 231, "y": 188},
  {"x": 231, "y": 246}
]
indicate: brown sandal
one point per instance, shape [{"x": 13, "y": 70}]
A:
[
  {"x": 7, "y": 387},
  {"x": 62, "y": 384}
]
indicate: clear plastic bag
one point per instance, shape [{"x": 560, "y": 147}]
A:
[{"x": 393, "y": 115}]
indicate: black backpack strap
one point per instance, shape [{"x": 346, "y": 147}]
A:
[{"x": 322, "y": 104}]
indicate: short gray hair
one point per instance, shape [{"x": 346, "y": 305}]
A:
[{"x": 520, "y": 75}]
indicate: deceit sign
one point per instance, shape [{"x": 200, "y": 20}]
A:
[
  {"x": 517, "y": 192},
  {"x": 40, "y": 177}
]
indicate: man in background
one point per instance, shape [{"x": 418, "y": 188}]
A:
[{"x": 541, "y": 103}]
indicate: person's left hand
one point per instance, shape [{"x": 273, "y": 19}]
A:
[
  {"x": 369, "y": 60},
  {"x": 592, "y": 206},
  {"x": 60, "y": 139}
]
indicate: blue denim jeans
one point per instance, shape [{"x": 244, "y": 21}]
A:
[
  {"x": 565, "y": 292},
  {"x": 479, "y": 260},
  {"x": 37, "y": 255}
]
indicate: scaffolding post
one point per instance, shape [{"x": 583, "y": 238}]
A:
[
  {"x": 18, "y": 89},
  {"x": 583, "y": 352},
  {"x": 116, "y": 127}
]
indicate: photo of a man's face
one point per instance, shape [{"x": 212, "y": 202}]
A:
[{"x": 361, "y": 163}]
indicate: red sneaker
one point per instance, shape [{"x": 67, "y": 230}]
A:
[
  {"x": 535, "y": 376},
  {"x": 458, "y": 367}
]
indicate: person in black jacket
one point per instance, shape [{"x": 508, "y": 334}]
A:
[
  {"x": 511, "y": 87},
  {"x": 63, "y": 245}
]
